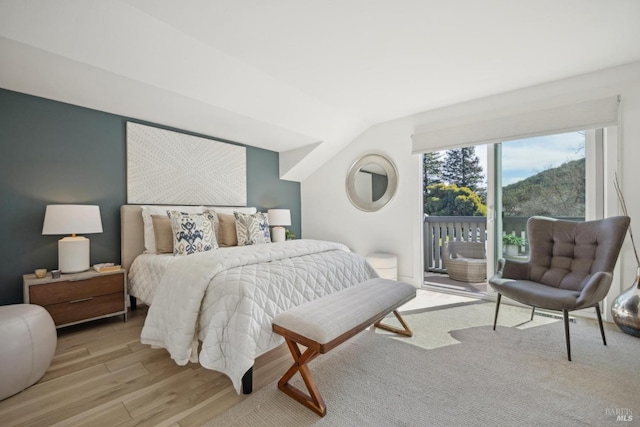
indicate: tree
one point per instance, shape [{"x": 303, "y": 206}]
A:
[
  {"x": 451, "y": 200},
  {"x": 432, "y": 165},
  {"x": 558, "y": 191},
  {"x": 462, "y": 167}
]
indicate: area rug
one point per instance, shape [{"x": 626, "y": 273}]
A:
[
  {"x": 516, "y": 375},
  {"x": 443, "y": 281},
  {"x": 426, "y": 299}
]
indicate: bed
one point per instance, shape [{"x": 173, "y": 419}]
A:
[{"x": 216, "y": 307}]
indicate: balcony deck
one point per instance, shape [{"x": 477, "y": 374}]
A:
[
  {"x": 438, "y": 230},
  {"x": 443, "y": 281}
]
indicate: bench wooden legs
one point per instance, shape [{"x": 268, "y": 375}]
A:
[
  {"x": 405, "y": 331},
  {"x": 313, "y": 400}
]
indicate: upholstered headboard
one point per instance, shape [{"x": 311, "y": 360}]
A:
[
  {"x": 132, "y": 230},
  {"x": 131, "y": 234}
]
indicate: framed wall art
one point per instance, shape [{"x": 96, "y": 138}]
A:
[{"x": 167, "y": 167}]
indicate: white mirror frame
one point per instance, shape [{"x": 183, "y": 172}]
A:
[{"x": 392, "y": 183}]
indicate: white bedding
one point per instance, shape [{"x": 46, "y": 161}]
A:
[
  {"x": 227, "y": 299},
  {"x": 145, "y": 273}
]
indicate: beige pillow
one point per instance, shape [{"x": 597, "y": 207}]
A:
[
  {"x": 227, "y": 230},
  {"x": 163, "y": 234}
]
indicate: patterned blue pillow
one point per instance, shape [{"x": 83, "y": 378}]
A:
[
  {"x": 192, "y": 233},
  {"x": 252, "y": 229}
]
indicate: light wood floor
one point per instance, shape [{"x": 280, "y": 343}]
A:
[{"x": 102, "y": 376}]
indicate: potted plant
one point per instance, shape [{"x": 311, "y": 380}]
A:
[{"x": 512, "y": 244}]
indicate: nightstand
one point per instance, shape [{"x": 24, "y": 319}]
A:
[
  {"x": 79, "y": 297},
  {"x": 386, "y": 265}
]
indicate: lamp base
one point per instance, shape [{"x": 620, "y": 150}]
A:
[
  {"x": 277, "y": 234},
  {"x": 73, "y": 254}
]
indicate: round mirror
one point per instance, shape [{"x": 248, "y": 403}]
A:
[{"x": 372, "y": 182}]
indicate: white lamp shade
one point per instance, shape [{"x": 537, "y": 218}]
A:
[
  {"x": 279, "y": 217},
  {"x": 72, "y": 219}
]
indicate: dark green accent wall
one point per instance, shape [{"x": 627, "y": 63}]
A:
[{"x": 54, "y": 152}]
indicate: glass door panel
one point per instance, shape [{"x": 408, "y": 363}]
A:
[{"x": 539, "y": 176}]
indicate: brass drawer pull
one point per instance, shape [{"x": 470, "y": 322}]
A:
[{"x": 80, "y": 300}]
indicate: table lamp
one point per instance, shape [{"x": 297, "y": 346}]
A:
[
  {"x": 278, "y": 218},
  {"x": 73, "y": 251}
]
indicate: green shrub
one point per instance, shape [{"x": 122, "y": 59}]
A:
[
  {"x": 512, "y": 239},
  {"x": 451, "y": 200}
]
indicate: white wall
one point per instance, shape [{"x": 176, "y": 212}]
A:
[
  {"x": 397, "y": 228},
  {"x": 328, "y": 214}
]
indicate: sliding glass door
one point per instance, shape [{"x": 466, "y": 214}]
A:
[
  {"x": 568, "y": 172},
  {"x": 541, "y": 176},
  {"x": 565, "y": 176}
]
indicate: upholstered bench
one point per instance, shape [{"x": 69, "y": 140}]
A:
[
  {"x": 28, "y": 342},
  {"x": 323, "y": 324}
]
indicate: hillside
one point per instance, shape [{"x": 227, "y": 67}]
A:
[{"x": 556, "y": 191}]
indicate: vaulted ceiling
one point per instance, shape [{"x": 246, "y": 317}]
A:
[{"x": 301, "y": 77}]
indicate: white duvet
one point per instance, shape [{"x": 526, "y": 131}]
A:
[
  {"x": 145, "y": 273},
  {"x": 227, "y": 299}
]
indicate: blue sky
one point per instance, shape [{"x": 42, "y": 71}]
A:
[{"x": 526, "y": 157}]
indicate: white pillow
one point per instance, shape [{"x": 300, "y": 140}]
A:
[
  {"x": 147, "y": 211},
  {"x": 230, "y": 211}
]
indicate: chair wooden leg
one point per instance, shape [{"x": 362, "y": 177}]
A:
[
  {"x": 565, "y": 315},
  {"x": 495, "y": 318},
  {"x": 406, "y": 331},
  {"x": 313, "y": 400},
  {"x": 604, "y": 340},
  {"x": 533, "y": 311}
]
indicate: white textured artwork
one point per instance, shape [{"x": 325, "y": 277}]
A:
[{"x": 165, "y": 167}]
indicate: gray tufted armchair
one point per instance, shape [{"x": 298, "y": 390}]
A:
[{"x": 570, "y": 267}]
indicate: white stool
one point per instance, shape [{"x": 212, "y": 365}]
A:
[
  {"x": 386, "y": 265},
  {"x": 29, "y": 339}
]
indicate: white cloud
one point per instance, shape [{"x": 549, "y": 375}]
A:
[
  {"x": 513, "y": 179},
  {"x": 534, "y": 155}
]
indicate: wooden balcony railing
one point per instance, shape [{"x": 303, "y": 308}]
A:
[{"x": 439, "y": 229}]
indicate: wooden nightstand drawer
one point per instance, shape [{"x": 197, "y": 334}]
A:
[
  {"x": 78, "y": 297},
  {"x": 85, "y": 308},
  {"x": 55, "y": 293}
]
